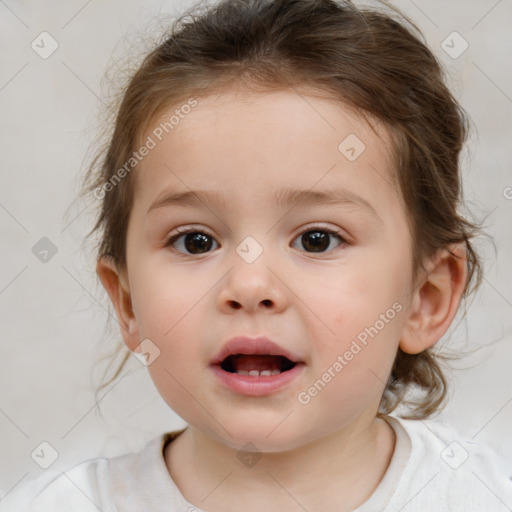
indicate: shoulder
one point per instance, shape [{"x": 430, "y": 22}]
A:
[
  {"x": 130, "y": 481},
  {"x": 83, "y": 487},
  {"x": 445, "y": 467}
]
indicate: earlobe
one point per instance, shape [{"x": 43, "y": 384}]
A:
[
  {"x": 116, "y": 284},
  {"x": 435, "y": 302}
]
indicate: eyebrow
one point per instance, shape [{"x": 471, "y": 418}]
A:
[{"x": 282, "y": 198}]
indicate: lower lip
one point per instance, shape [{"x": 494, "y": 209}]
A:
[{"x": 260, "y": 385}]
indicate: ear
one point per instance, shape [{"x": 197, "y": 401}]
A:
[
  {"x": 116, "y": 284},
  {"x": 435, "y": 302}
]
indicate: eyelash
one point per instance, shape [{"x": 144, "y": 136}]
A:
[{"x": 185, "y": 231}]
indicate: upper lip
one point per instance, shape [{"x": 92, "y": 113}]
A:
[{"x": 250, "y": 346}]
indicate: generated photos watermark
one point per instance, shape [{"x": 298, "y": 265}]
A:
[
  {"x": 150, "y": 143},
  {"x": 357, "y": 345}
]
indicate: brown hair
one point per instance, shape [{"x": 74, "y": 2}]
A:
[{"x": 364, "y": 58}]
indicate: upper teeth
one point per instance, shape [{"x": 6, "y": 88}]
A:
[{"x": 256, "y": 373}]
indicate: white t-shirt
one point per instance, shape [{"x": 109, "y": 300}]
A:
[{"x": 432, "y": 469}]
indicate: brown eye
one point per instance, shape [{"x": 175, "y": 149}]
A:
[
  {"x": 319, "y": 240},
  {"x": 191, "y": 242}
]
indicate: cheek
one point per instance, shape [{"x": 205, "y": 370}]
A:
[
  {"x": 177, "y": 370},
  {"x": 354, "y": 302},
  {"x": 163, "y": 299},
  {"x": 364, "y": 310},
  {"x": 180, "y": 373},
  {"x": 368, "y": 288}
]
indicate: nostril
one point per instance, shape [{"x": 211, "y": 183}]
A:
[{"x": 236, "y": 305}]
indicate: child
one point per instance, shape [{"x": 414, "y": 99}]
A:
[{"x": 282, "y": 246}]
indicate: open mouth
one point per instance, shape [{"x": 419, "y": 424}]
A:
[{"x": 256, "y": 365}]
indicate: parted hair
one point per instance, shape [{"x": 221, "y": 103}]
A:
[{"x": 374, "y": 61}]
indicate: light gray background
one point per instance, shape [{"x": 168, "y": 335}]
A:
[{"x": 53, "y": 313}]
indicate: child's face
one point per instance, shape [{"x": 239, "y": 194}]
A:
[{"x": 313, "y": 295}]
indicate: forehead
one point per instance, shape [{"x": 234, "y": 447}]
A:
[{"x": 237, "y": 140}]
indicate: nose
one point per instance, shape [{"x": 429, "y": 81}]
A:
[{"x": 252, "y": 287}]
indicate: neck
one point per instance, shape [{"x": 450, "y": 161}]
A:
[{"x": 339, "y": 471}]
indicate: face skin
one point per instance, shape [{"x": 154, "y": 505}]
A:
[{"x": 246, "y": 147}]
